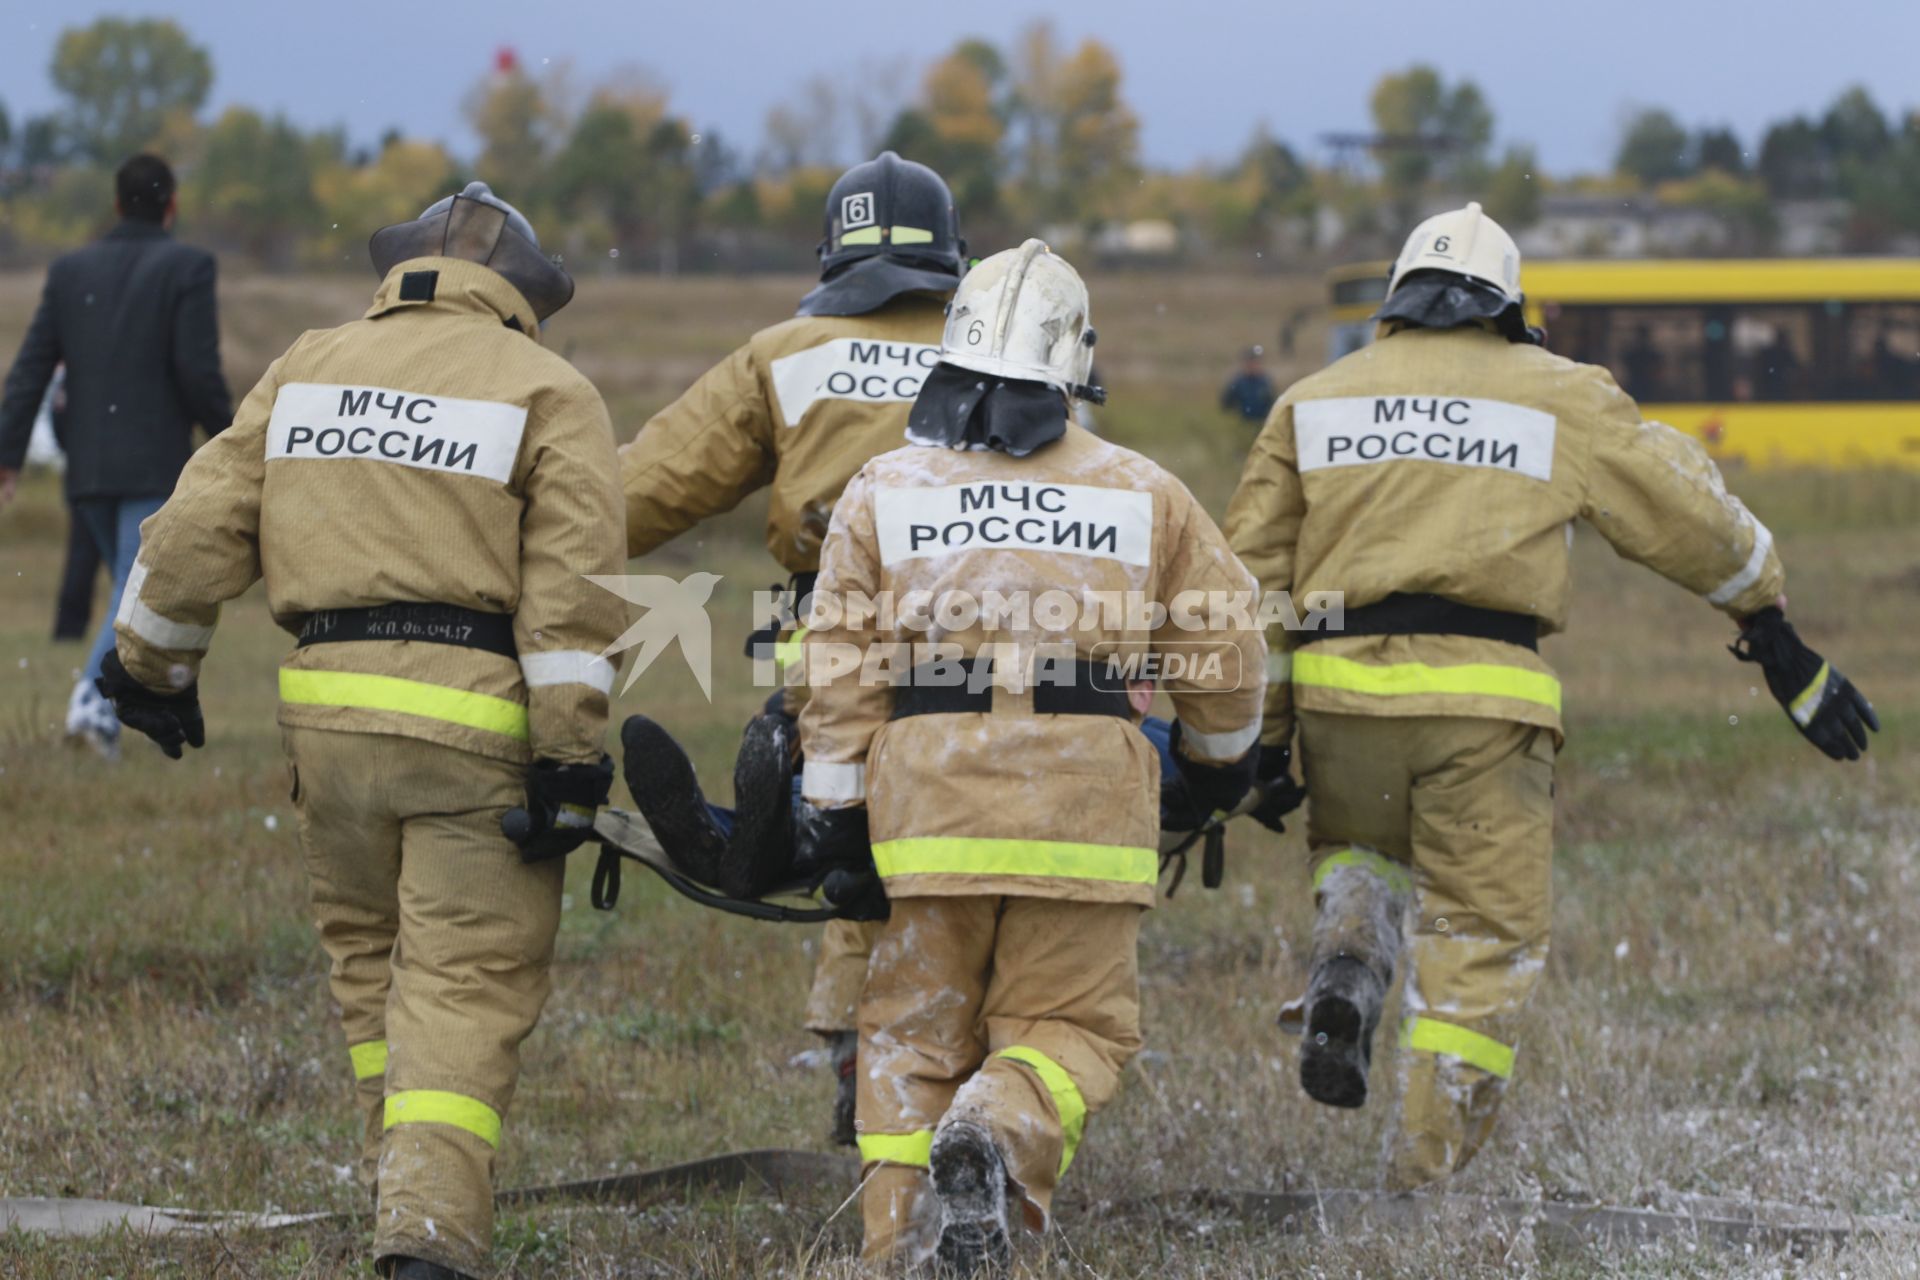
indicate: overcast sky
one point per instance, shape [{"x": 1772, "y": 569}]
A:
[{"x": 1200, "y": 74}]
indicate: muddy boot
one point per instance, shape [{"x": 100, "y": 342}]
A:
[
  {"x": 970, "y": 1180},
  {"x": 759, "y": 856},
  {"x": 1343, "y": 1009},
  {"x": 842, "y": 1054},
  {"x": 667, "y": 792}
]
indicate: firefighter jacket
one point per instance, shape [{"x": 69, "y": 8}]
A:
[
  {"x": 430, "y": 452},
  {"x": 800, "y": 407},
  {"x": 1087, "y": 536},
  {"x": 1453, "y": 462}
]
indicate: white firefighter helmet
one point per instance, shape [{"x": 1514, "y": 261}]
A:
[
  {"x": 1022, "y": 314},
  {"x": 1465, "y": 242}
]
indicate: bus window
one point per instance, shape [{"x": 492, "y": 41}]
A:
[
  {"x": 1658, "y": 354},
  {"x": 1882, "y": 353},
  {"x": 1773, "y": 355}
]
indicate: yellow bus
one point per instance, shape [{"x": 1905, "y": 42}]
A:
[{"x": 1773, "y": 362}]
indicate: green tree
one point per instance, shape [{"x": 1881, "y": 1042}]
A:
[
  {"x": 1430, "y": 131},
  {"x": 1719, "y": 149},
  {"x": 519, "y": 124},
  {"x": 1079, "y": 147},
  {"x": 631, "y": 165},
  {"x": 957, "y": 126},
  {"x": 1854, "y": 128},
  {"x": 122, "y": 77},
  {"x": 1794, "y": 161},
  {"x": 6, "y": 131},
  {"x": 1513, "y": 189},
  {"x": 1654, "y": 149},
  {"x": 254, "y": 184}
]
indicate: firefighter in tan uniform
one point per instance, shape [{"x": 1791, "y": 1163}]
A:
[
  {"x": 421, "y": 490},
  {"x": 1009, "y": 796},
  {"x": 1433, "y": 478},
  {"x": 798, "y": 409}
]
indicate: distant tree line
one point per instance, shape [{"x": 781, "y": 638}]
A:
[{"x": 1035, "y": 137}]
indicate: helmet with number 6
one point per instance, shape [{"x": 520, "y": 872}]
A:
[
  {"x": 1023, "y": 314},
  {"x": 891, "y": 228},
  {"x": 1458, "y": 268}
]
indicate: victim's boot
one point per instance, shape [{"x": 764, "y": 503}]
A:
[
  {"x": 666, "y": 790},
  {"x": 1360, "y": 899},
  {"x": 759, "y": 854},
  {"x": 970, "y": 1180}
]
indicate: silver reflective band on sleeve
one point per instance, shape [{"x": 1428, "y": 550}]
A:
[
  {"x": 1279, "y": 667},
  {"x": 844, "y": 783},
  {"x": 1220, "y": 746},
  {"x": 1750, "y": 571},
  {"x": 162, "y": 633},
  {"x": 567, "y": 666}
]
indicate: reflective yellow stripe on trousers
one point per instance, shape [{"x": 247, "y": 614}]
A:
[
  {"x": 410, "y": 697},
  {"x": 981, "y": 856},
  {"x": 1428, "y": 1036},
  {"x": 369, "y": 1059},
  {"x": 911, "y": 1149},
  {"x": 1066, "y": 1097},
  {"x": 1395, "y": 874},
  {"x": 1486, "y": 679},
  {"x": 432, "y": 1106}
]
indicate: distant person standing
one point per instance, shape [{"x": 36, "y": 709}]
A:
[
  {"x": 132, "y": 316},
  {"x": 1250, "y": 394}
]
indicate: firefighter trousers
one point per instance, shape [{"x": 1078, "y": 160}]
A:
[
  {"x": 1454, "y": 816},
  {"x": 440, "y": 940},
  {"x": 839, "y": 974},
  {"x": 1016, "y": 1014}
]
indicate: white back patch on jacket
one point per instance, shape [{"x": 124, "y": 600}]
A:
[
  {"x": 850, "y": 369},
  {"x": 379, "y": 424},
  {"x": 1071, "y": 519},
  {"x": 1354, "y": 431}
]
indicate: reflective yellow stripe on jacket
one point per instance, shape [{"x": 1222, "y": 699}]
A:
[
  {"x": 1483, "y": 679},
  {"x": 983, "y": 856},
  {"x": 409, "y": 697}
]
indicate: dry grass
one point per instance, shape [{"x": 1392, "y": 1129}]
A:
[{"x": 1730, "y": 1007}]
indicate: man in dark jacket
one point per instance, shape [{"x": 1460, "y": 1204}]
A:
[{"x": 132, "y": 316}]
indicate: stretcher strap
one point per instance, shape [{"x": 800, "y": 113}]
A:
[
  {"x": 1366, "y": 859},
  {"x": 1482, "y": 679},
  {"x": 432, "y": 1106},
  {"x": 1424, "y": 1035},
  {"x": 914, "y": 1149},
  {"x": 369, "y": 1059},
  {"x": 409, "y": 697},
  {"x": 1066, "y": 1097}
]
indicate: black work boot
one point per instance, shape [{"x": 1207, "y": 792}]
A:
[
  {"x": 419, "y": 1269},
  {"x": 843, "y": 1048},
  {"x": 759, "y": 857},
  {"x": 970, "y": 1179},
  {"x": 667, "y": 792},
  {"x": 1343, "y": 1009}
]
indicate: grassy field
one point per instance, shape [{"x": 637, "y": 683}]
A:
[{"x": 1730, "y": 1010}]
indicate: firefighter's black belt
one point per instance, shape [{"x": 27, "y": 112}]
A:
[
  {"x": 427, "y": 623},
  {"x": 1405, "y": 614},
  {"x": 1060, "y": 688}
]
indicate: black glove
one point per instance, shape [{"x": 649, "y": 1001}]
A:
[
  {"x": 561, "y": 802},
  {"x": 170, "y": 719},
  {"x": 1279, "y": 793},
  {"x": 1822, "y": 703},
  {"x": 832, "y": 851},
  {"x": 1205, "y": 789}
]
